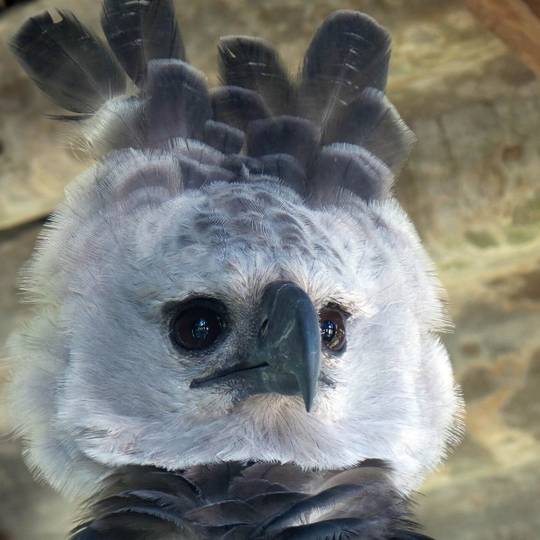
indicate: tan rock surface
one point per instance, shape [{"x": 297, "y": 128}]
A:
[{"x": 472, "y": 187}]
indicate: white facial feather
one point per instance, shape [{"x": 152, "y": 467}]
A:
[{"x": 97, "y": 382}]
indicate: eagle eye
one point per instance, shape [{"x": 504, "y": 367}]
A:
[
  {"x": 197, "y": 323},
  {"x": 332, "y": 323}
]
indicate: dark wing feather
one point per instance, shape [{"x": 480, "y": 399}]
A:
[
  {"x": 319, "y": 505},
  {"x": 244, "y": 488},
  {"x": 223, "y": 513},
  {"x": 146, "y": 499},
  {"x": 128, "y": 526},
  {"x": 346, "y": 529},
  {"x": 67, "y": 62},
  {"x": 288, "y": 475},
  {"x": 214, "y": 480},
  {"x": 139, "y": 31},
  {"x": 333, "y": 529},
  {"x": 275, "y": 502},
  {"x": 149, "y": 478},
  {"x": 225, "y": 504},
  {"x": 253, "y": 64}
]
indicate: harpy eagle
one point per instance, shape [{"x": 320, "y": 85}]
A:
[{"x": 235, "y": 331}]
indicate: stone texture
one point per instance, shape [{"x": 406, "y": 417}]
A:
[
  {"x": 489, "y": 487},
  {"x": 472, "y": 187}
]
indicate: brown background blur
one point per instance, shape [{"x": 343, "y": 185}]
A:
[{"x": 472, "y": 188}]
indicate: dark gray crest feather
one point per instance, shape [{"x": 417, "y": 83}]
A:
[
  {"x": 238, "y": 107},
  {"x": 372, "y": 122},
  {"x": 254, "y": 64},
  {"x": 234, "y": 501},
  {"x": 286, "y": 168},
  {"x": 341, "y": 91},
  {"x": 348, "y": 53},
  {"x": 291, "y": 135},
  {"x": 330, "y": 132},
  {"x": 196, "y": 174},
  {"x": 225, "y": 138},
  {"x": 178, "y": 104},
  {"x": 139, "y": 31},
  {"x": 67, "y": 62},
  {"x": 358, "y": 171}
]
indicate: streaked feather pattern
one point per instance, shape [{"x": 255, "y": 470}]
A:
[{"x": 252, "y": 501}]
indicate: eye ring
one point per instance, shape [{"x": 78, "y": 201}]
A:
[
  {"x": 333, "y": 328},
  {"x": 197, "y": 324}
]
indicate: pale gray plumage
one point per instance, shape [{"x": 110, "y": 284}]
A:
[{"x": 260, "y": 188}]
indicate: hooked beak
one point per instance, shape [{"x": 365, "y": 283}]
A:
[
  {"x": 285, "y": 356},
  {"x": 289, "y": 341}
]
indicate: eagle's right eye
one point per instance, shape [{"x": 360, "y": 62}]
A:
[
  {"x": 198, "y": 323},
  {"x": 332, "y": 324}
]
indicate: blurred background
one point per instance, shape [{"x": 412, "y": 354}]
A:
[{"x": 463, "y": 77}]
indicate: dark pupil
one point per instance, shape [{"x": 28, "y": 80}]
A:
[
  {"x": 201, "y": 329},
  {"x": 332, "y": 329},
  {"x": 196, "y": 327},
  {"x": 328, "y": 330}
]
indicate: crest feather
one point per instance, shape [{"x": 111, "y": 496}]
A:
[
  {"x": 67, "y": 62},
  {"x": 139, "y": 31},
  {"x": 330, "y": 132}
]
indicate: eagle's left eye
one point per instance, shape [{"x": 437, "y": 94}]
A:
[
  {"x": 332, "y": 323},
  {"x": 198, "y": 323}
]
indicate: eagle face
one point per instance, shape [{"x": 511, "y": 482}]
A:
[
  {"x": 230, "y": 282},
  {"x": 177, "y": 338}
]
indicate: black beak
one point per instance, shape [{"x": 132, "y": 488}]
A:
[
  {"x": 285, "y": 356},
  {"x": 289, "y": 341}
]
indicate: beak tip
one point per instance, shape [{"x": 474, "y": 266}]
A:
[
  {"x": 293, "y": 345},
  {"x": 308, "y": 401}
]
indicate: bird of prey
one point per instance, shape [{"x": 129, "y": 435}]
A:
[{"x": 236, "y": 328}]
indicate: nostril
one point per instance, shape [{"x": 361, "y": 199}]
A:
[{"x": 264, "y": 328}]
